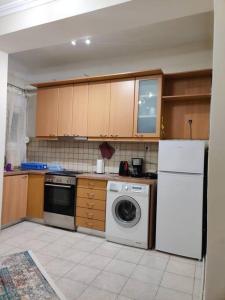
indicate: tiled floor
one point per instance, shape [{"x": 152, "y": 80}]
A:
[{"x": 89, "y": 268}]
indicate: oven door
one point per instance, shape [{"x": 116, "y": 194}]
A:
[{"x": 59, "y": 199}]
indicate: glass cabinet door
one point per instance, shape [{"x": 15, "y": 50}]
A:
[{"x": 148, "y": 106}]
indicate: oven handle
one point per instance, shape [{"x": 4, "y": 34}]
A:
[{"x": 58, "y": 185}]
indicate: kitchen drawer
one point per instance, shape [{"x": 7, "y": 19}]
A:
[
  {"x": 94, "y": 224},
  {"x": 91, "y": 204},
  {"x": 90, "y": 213},
  {"x": 92, "y": 183},
  {"x": 91, "y": 194}
]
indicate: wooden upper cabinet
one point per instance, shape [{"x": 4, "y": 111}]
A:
[
  {"x": 65, "y": 110},
  {"x": 80, "y": 110},
  {"x": 14, "y": 205},
  {"x": 47, "y": 112},
  {"x": 147, "y": 113},
  {"x": 122, "y": 108},
  {"x": 98, "y": 109}
]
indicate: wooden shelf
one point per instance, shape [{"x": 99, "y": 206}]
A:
[{"x": 187, "y": 97}]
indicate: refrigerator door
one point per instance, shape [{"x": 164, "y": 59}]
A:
[
  {"x": 181, "y": 156},
  {"x": 179, "y": 214}
]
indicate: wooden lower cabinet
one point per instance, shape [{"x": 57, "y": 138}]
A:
[
  {"x": 90, "y": 213},
  {"x": 92, "y": 183},
  {"x": 91, "y": 204},
  {"x": 90, "y": 223},
  {"x": 14, "y": 206},
  {"x": 35, "y": 197},
  {"x": 91, "y": 193}
]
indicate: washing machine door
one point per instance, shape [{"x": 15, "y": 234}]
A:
[{"x": 126, "y": 211}]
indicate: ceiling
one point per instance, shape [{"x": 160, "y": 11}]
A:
[{"x": 168, "y": 34}]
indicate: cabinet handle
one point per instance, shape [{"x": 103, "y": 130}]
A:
[
  {"x": 24, "y": 177},
  {"x": 89, "y": 224},
  {"x": 90, "y": 195},
  {"x": 89, "y": 215},
  {"x": 90, "y": 205}
]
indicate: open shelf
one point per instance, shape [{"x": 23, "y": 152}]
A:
[{"x": 187, "y": 97}]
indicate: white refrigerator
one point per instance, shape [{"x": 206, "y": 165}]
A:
[{"x": 179, "y": 223}]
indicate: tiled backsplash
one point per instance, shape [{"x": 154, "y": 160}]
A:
[{"x": 81, "y": 156}]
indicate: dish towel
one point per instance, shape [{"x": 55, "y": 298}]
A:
[{"x": 107, "y": 150}]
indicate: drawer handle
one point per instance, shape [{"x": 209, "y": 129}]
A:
[
  {"x": 89, "y": 215},
  {"x": 91, "y": 184},
  {"x": 90, "y": 195},
  {"x": 90, "y": 205},
  {"x": 89, "y": 224}
]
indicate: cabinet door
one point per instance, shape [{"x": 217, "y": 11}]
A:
[
  {"x": 8, "y": 194},
  {"x": 47, "y": 112},
  {"x": 80, "y": 110},
  {"x": 65, "y": 110},
  {"x": 148, "y": 106},
  {"x": 14, "y": 198},
  {"x": 121, "y": 108},
  {"x": 35, "y": 197},
  {"x": 98, "y": 109},
  {"x": 21, "y": 201}
]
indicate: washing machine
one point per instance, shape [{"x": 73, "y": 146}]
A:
[{"x": 127, "y": 213}]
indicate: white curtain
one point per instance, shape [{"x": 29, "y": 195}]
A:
[{"x": 16, "y": 126}]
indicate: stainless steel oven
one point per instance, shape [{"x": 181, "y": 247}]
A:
[{"x": 59, "y": 200}]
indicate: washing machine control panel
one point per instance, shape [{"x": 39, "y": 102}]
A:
[{"x": 125, "y": 187}]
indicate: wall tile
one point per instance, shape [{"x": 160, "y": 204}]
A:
[{"x": 82, "y": 156}]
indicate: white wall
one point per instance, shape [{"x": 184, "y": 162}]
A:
[
  {"x": 215, "y": 267},
  {"x": 183, "y": 58},
  {"x": 3, "y": 103}
]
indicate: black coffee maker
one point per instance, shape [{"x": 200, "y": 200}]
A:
[{"x": 137, "y": 164}]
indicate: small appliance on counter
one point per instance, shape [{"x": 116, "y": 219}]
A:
[
  {"x": 100, "y": 166},
  {"x": 137, "y": 164},
  {"x": 124, "y": 168}
]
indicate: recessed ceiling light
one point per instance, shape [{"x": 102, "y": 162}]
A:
[
  {"x": 74, "y": 42},
  {"x": 87, "y": 41}
]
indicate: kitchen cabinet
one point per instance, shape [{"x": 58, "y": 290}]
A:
[
  {"x": 14, "y": 204},
  {"x": 98, "y": 109},
  {"x": 47, "y": 112},
  {"x": 35, "y": 196},
  {"x": 80, "y": 110},
  {"x": 91, "y": 203},
  {"x": 147, "y": 112},
  {"x": 186, "y": 105},
  {"x": 121, "y": 108},
  {"x": 65, "y": 110}
]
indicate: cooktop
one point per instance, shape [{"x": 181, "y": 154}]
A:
[{"x": 64, "y": 173}]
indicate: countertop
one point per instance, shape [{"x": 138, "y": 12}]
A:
[
  {"x": 116, "y": 177},
  {"x": 20, "y": 172},
  {"x": 106, "y": 176}
]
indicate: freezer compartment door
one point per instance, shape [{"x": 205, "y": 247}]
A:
[
  {"x": 181, "y": 156},
  {"x": 179, "y": 214}
]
